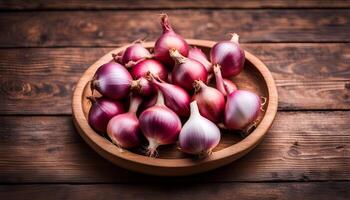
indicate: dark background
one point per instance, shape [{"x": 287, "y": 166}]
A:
[{"x": 46, "y": 45}]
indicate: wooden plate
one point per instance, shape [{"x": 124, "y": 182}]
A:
[{"x": 255, "y": 77}]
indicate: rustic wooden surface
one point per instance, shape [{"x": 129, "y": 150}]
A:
[{"x": 46, "y": 45}]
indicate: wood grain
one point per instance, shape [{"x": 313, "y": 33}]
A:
[
  {"x": 243, "y": 191},
  {"x": 301, "y": 146},
  {"x": 112, "y": 28},
  {"x": 168, "y": 4},
  {"x": 315, "y": 75}
]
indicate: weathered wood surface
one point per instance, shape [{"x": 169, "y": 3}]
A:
[
  {"x": 243, "y": 191},
  {"x": 41, "y": 80},
  {"x": 168, "y": 4},
  {"x": 301, "y": 146},
  {"x": 112, "y": 28}
]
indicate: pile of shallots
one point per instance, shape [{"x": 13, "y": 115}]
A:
[{"x": 174, "y": 94}]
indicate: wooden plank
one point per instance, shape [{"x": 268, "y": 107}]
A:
[
  {"x": 169, "y": 4},
  {"x": 111, "y": 28},
  {"x": 41, "y": 80},
  {"x": 300, "y": 146},
  {"x": 243, "y": 191}
]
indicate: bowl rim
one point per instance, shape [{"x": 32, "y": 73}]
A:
[{"x": 224, "y": 156}]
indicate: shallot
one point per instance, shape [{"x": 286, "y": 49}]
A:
[
  {"x": 242, "y": 108},
  {"x": 101, "y": 111},
  {"x": 210, "y": 101},
  {"x": 229, "y": 55},
  {"x": 198, "y": 135},
  {"x": 134, "y": 54},
  {"x": 142, "y": 68},
  {"x": 114, "y": 81},
  {"x": 159, "y": 125},
  {"x": 186, "y": 71},
  {"x": 175, "y": 97},
  {"x": 169, "y": 40},
  {"x": 124, "y": 129}
]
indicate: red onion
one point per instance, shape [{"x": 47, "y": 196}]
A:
[
  {"x": 225, "y": 86},
  {"x": 133, "y": 54},
  {"x": 229, "y": 55},
  {"x": 242, "y": 108},
  {"x": 175, "y": 97},
  {"x": 198, "y": 135},
  {"x": 169, "y": 40},
  {"x": 124, "y": 129},
  {"x": 114, "y": 81},
  {"x": 186, "y": 71},
  {"x": 149, "y": 65},
  {"x": 210, "y": 101},
  {"x": 101, "y": 111},
  {"x": 160, "y": 125},
  {"x": 198, "y": 55}
]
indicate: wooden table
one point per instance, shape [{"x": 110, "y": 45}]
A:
[{"x": 46, "y": 45}]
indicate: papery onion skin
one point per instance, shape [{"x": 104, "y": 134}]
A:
[
  {"x": 142, "y": 87},
  {"x": 160, "y": 125},
  {"x": 198, "y": 135},
  {"x": 229, "y": 55},
  {"x": 101, "y": 111},
  {"x": 112, "y": 80},
  {"x": 124, "y": 129},
  {"x": 242, "y": 108},
  {"x": 211, "y": 102},
  {"x": 225, "y": 86},
  {"x": 169, "y": 40},
  {"x": 133, "y": 54},
  {"x": 229, "y": 86},
  {"x": 142, "y": 68},
  {"x": 198, "y": 55},
  {"x": 176, "y": 98},
  {"x": 186, "y": 71},
  {"x": 118, "y": 57}
]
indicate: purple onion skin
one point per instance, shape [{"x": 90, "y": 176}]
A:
[
  {"x": 142, "y": 68},
  {"x": 169, "y": 40},
  {"x": 176, "y": 98},
  {"x": 124, "y": 130},
  {"x": 230, "y": 56},
  {"x": 135, "y": 53},
  {"x": 184, "y": 74},
  {"x": 211, "y": 102},
  {"x": 147, "y": 103},
  {"x": 198, "y": 55},
  {"x": 101, "y": 111},
  {"x": 242, "y": 108},
  {"x": 112, "y": 80},
  {"x": 160, "y": 124},
  {"x": 225, "y": 86},
  {"x": 143, "y": 87}
]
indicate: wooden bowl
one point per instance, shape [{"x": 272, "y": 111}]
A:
[{"x": 255, "y": 77}]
